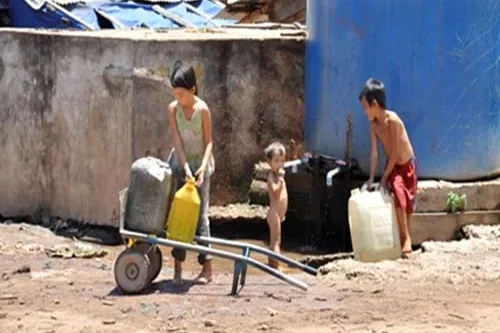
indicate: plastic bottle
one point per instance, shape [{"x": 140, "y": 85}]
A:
[{"x": 373, "y": 225}]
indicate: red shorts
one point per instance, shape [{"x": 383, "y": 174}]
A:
[{"x": 403, "y": 183}]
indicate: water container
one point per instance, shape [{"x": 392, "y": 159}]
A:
[
  {"x": 374, "y": 227},
  {"x": 148, "y": 194},
  {"x": 183, "y": 217}
]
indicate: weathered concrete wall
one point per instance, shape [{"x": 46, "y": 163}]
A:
[{"x": 76, "y": 111}]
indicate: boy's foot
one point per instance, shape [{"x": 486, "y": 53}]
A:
[{"x": 406, "y": 254}]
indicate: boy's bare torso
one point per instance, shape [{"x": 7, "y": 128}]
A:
[
  {"x": 392, "y": 127},
  {"x": 279, "y": 201}
]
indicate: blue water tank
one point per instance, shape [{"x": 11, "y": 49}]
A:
[{"x": 440, "y": 62}]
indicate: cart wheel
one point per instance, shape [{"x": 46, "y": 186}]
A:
[
  {"x": 132, "y": 271},
  {"x": 156, "y": 259},
  {"x": 154, "y": 255}
]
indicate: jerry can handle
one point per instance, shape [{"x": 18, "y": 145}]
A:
[{"x": 190, "y": 181}]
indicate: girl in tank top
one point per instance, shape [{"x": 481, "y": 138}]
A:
[{"x": 190, "y": 125}]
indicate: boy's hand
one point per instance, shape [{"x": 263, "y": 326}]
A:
[
  {"x": 383, "y": 185},
  {"x": 368, "y": 186}
]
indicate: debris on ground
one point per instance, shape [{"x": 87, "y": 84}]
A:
[
  {"x": 238, "y": 212},
  {"x": 263, "y": 327},
  {"x": 22, "y": 270},
  {"x": 272, "y": 312},
  {"x": 76, "y": 250},
  {"x": 7, "y": 297},
  {"x": 486, "y": 232},
  {"x": 278, "y": 297},
  {"x": 321, "y": 260},
  {"x": 104, "y": 235},
  {"x": 11, "y": 248},
  {"x": 109, "y": 321},
  {"x": 210, "y": 323}
]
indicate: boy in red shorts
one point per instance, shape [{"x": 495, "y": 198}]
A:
[{"x": 400, "y": 169}]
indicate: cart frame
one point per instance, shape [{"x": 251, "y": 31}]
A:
[{"x": 241, "y": 262}]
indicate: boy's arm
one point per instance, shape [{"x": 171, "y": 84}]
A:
[
  {"x": 373, "y": 155},
  {"x": 395, "y": 136},
  {"x": 272, "y": 187}
]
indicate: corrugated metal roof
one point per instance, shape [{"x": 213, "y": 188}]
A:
[{"x": 70, "y": 2}]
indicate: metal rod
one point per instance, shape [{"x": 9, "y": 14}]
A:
[
  {"x": 258, "y": 249},
  {"x": 202, "y": 14},
  {"x": 67, "y": 13},
  {"x": 346, "y": 237},
  {"x": 317, "y": 198},
  {"x": 172, "y": 17},
  {"x": 246, "y": 253},
  {"x": 217, "y": 253},
  {"x": 236, "y": 277}
]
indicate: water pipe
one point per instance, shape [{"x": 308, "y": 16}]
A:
[
  {"x": 295, "y": 163},
  {"x": 332, "y": 173}
]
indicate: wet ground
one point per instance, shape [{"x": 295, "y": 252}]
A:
[{"x": 451, "y": 287}]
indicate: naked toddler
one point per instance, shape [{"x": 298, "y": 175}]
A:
[{"x": 278, "y": 196}]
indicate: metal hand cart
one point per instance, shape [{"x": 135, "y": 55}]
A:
[{"x": 139, "y": 264}]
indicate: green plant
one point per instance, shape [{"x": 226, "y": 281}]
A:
[{"x": 455, "y": 202}]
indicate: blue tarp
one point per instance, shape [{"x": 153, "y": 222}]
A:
[
  {"x": 128, "y": 14},
  {"x": 134, "y": 15},
  {"x": 24, "y": 15},
  {"x": 84, "y": 13}
]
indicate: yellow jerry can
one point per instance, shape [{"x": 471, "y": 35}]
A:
[{"x": 183, "y": 216}]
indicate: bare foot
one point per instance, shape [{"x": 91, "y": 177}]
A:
[
  {"x": 278, "y": 268},
  {"x": 274, "y": 264},
  {"x": 177, "y": 281},
  {"x": 406, "y": 254},
  {"x": 202, "y": 279},
  {"x": 205, "y": 276}
]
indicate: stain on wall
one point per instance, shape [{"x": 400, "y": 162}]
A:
[{"x": 77, "y": 111}]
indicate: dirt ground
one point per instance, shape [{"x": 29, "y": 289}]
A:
[{"x": 449, "y": 287}]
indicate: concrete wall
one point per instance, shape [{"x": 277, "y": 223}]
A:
[{"x": 77, "y": 108}]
